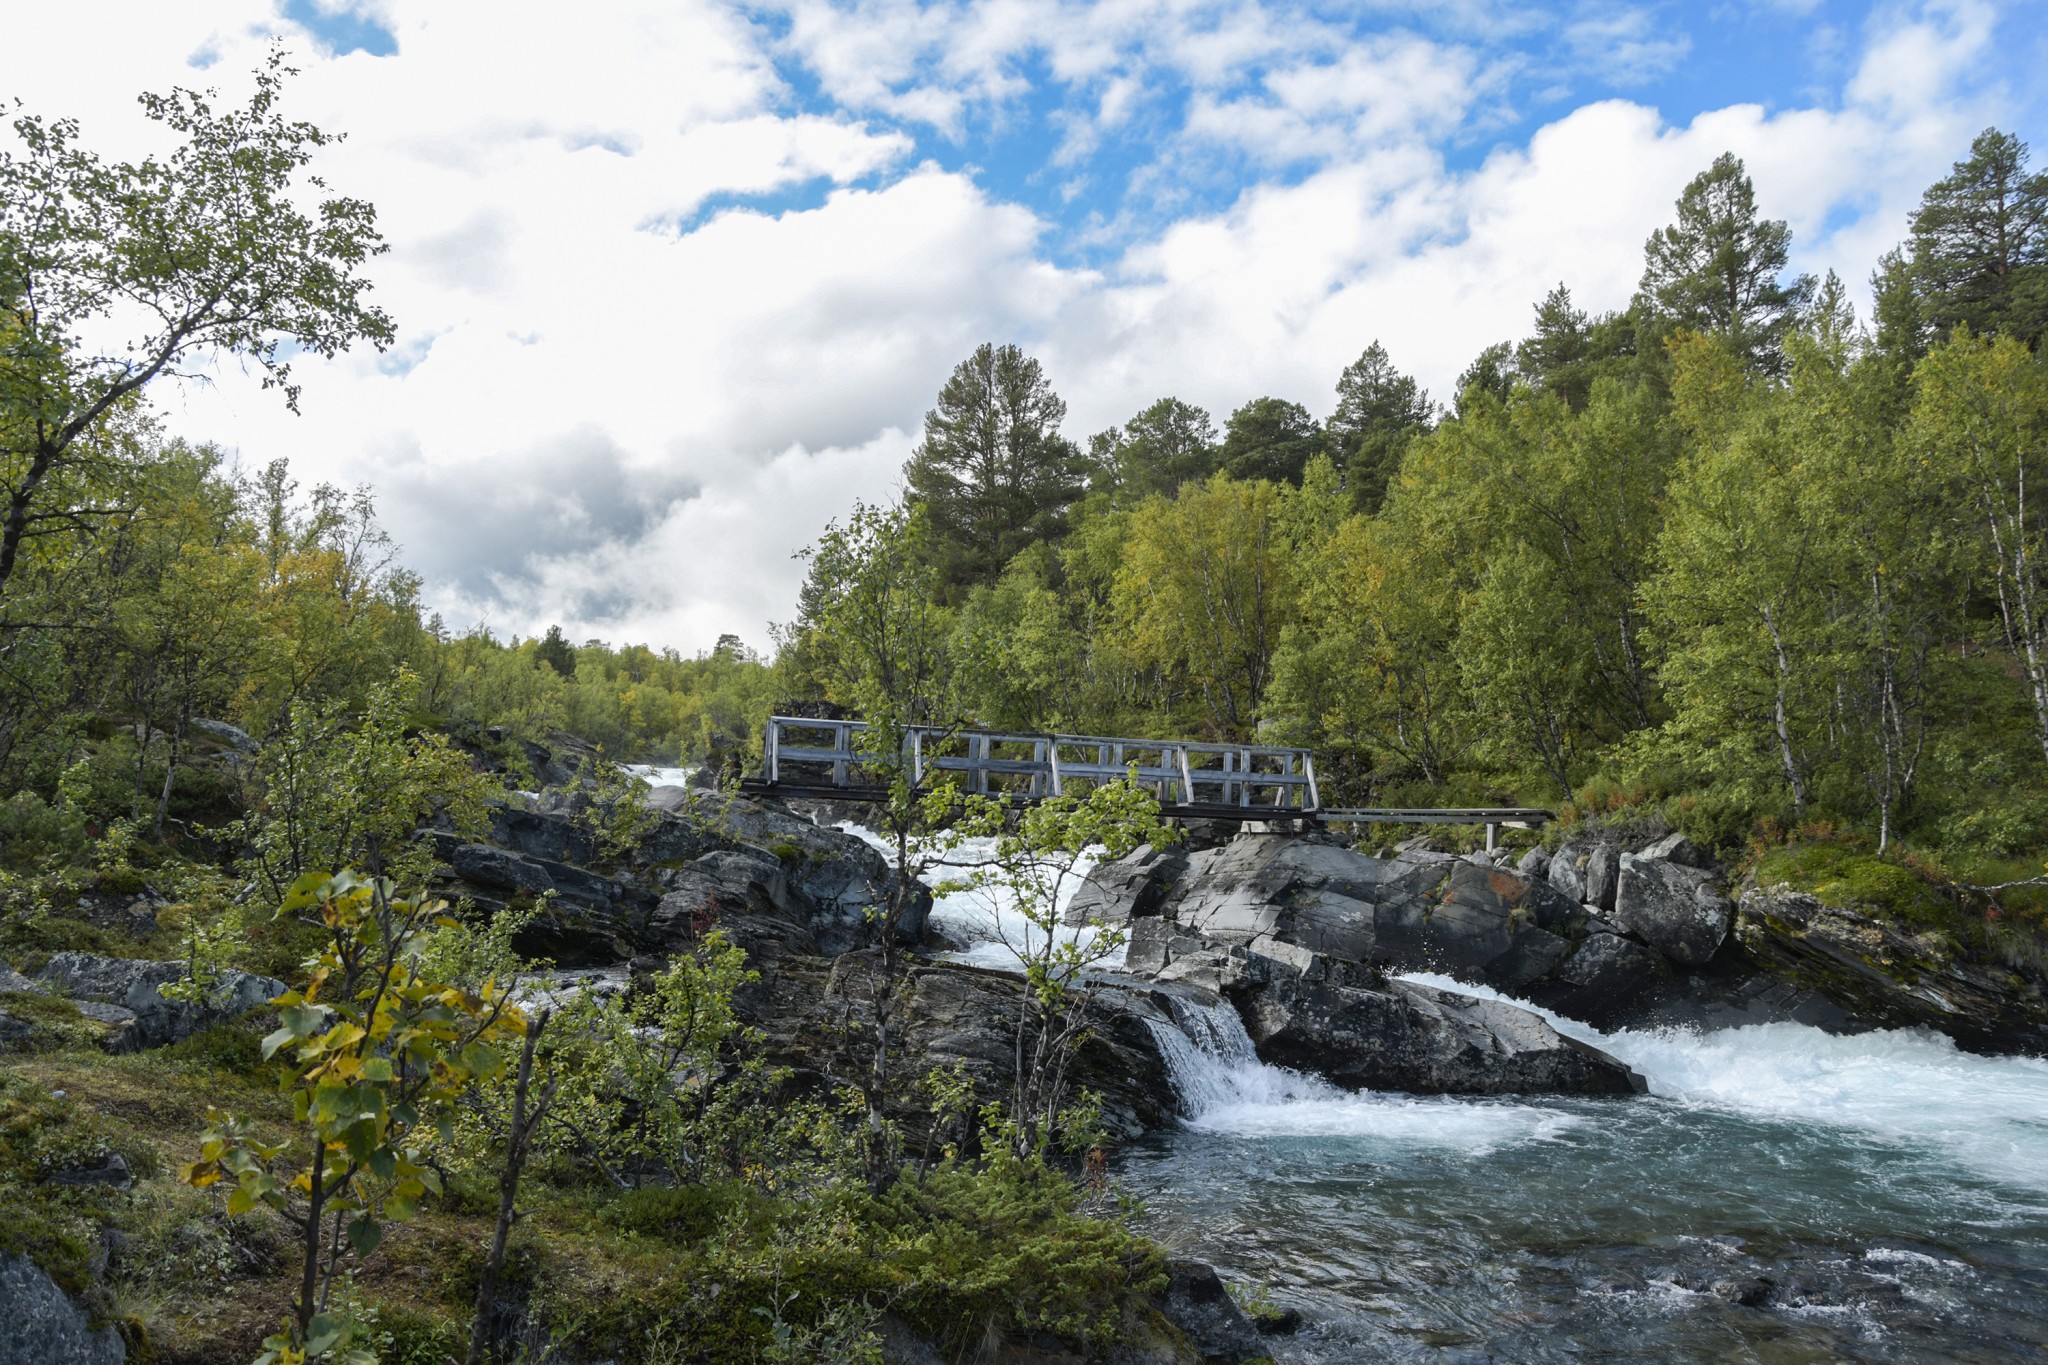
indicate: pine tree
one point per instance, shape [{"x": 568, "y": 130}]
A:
[
  {"x": 1269, "y": 438},
  {"x": 1719, "y": 268},
  {"x": 1980, "y": 243},
  {"x": 1379, "y": 411},
  {"x": 1169, "y": 444},
  {"x": 993, "y": 474}
]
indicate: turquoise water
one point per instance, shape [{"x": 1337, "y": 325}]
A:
[{"x": 1782, "y": 1195}]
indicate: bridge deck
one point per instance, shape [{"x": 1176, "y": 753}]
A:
[{"x": 821, "y": 760}]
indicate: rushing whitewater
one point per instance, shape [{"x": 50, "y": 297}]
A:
[
  {"x": 1782, "y": 1194},
  {"x": 987, "y": 920}
]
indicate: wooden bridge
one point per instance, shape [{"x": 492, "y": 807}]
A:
[{"x": 821, "y": 759}]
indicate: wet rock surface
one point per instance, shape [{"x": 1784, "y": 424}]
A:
[
  {"x": 1423, "y": 1040},
  {"x": 1886, "y": 976},
  {"x": 817, "y": 1014}
]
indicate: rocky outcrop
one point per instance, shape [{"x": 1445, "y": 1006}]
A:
[
  {"x": 816, "y": 1016},
  {"x": 1420, "y": 911},
  {"x": 1134, "y": 886},
  {"x": 1678, "y": 910},
  {"x": 1290, "y": 899},
  {"x": 775, "y": 875},
  {"x": 1423, "y": 1040},
  {"x": 41, "y": 1325},
  {"x": 1887, "y": 976},
  {"x": 123, "y": 993}
]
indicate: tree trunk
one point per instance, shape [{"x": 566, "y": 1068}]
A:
[
  {"x": 517, "y": 1144},
  {"x": 309, "y": 1273}
]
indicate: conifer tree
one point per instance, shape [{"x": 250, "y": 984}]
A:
[
  {"x": 993, "y": 474},
  {"x": 1980, "y": 242},
  {"x": 1720, "y": 268}
]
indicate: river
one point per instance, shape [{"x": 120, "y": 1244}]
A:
[{"x": 1781, "y": 1195}]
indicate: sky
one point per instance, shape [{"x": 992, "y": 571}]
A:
[{"x": 675, "y": 281}]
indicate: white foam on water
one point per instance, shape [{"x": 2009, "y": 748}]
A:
[
  {"x": 989, "y": 920},
  {"x": 1989, "y": 1114},
  {"x": 1225, "y": 1088},
  {"x": 655, "y": 776}
]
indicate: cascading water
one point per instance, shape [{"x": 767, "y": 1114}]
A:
[
  {"x": 995, "y": 931},
  {"x": 1782, "y": 1194},
  {"x": 1214, "y": 1069}
]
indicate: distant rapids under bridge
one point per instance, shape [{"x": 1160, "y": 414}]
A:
[{"x": 1246, "y": 783}]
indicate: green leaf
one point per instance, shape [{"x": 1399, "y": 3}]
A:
[
  {"x": 324, "y": 1333},
  {"x": 364, "y": 1234},
  {"x": 273, "y": 1041}
]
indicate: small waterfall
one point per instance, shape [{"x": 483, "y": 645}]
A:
[{"x": 1214, "y": 1067}]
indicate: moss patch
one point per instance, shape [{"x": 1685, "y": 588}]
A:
[{"x": 1850, "y": 878}]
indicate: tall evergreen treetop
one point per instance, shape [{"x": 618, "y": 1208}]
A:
[
  {"x": 1719, "y": 268},
  {"x": 1379, "y": 410},
  {"x": 1269, "y": 438},
  {"x": 993, "y": 473},
  {"x": 1980, "y": 242}
]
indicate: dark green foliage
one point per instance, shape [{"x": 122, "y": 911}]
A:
[
  {"x": 1492, "y": 374},
  {"x": 1167, "y": 445},
  {"x": 1379, "y": 411},
  {"x": 992, "y": 474},
  {"x": 688, "y": 1214},
  {"x": 1980, "y": 243},
  {"x": 1719, "y": 267},
  {"x": 554, "y": 650},
  {"x": 1269, "y": 438}
]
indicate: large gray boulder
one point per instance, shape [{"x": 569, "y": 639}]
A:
[
  {"x": 140, "y": 1016},
  {"x": 1271, "y": 895},
  {"x": 1566, "y": 871},
  {"x": 1676, "y": 848},
  {"x": 1680, "y": 911},
  {"x": 1422, "y": 1040},
  {"x": 41, "y": 1325},
  {"x": 1131, "y": 887}
]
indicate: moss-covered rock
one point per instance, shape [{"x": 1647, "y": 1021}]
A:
[{"x": 1888, "y": 975}]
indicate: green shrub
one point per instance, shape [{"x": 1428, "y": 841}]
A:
[
  {"x": 32, "y": 830},
  {"x": 685, "y": 1214},
  {"x": 56, "y": 1021}
]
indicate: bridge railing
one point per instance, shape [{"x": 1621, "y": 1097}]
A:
[{"x": 798, "y": 751}]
